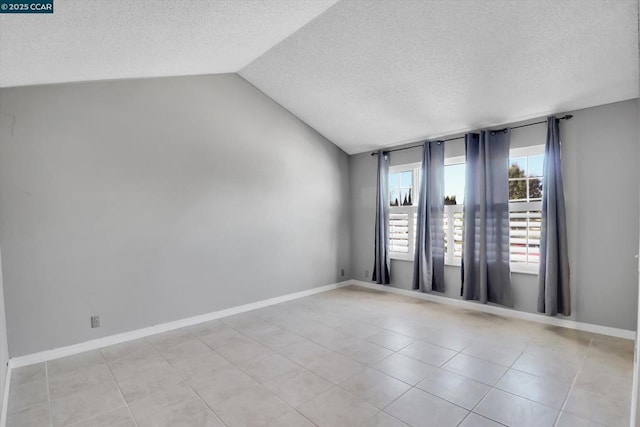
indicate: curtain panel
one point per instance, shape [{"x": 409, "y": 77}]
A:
[
  {"x": 486, "y": 276},
  {"x": 553, "y": 276},
  {"x": 428, "y": 265},
  {"x": 381, "y": 268}
]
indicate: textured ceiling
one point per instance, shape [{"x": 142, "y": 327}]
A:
[
  {"x": 111, "y": 39},
  {"x": 364, "y": 73},
  {"x": 369, "y": 73}
]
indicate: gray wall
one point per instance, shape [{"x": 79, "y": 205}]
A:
[
  {"x": 147, "y": 201},
  {"x": 601, "y": 163}
]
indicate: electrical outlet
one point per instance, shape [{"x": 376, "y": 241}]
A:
[
  {"x": 366, "y": 273},
  {"x": 342, "y": 272},
  {"x": 95, "y": 321}
]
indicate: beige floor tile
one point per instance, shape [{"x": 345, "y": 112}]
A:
[
  {"x": 410, "y": 329},
  {"x": 267, "y": 366},
  {"x": 601, "y": 382},
  {"x": 76, "y": 362},
  {"x": 170, "y": 338},
  {"x": 418, "y": 408},
  {"x": 138, "y": 382},
  {"x": 612, "y": 365},
  {"x": 405, "y": 368},
  {"x": 382, "y": 419},
  {"x": 236, "y": 348},
  {"x": 189, "y": 411},
  {"x": 334, "y": 367},
  {"x": 185, "y": 350},
  {"x": 256, "y": 327},
  {"x": 455, "y": 340},
  {"x": 27, "y": 374},
  {"x": 221, "y": 384},
  {"x": 34, "y": 416},
  {"x": 561, "y": 340},
  {"x": 570, "y": 420},
  {"x": 177, "y": 405},
  {"x": 192, "y": 368},
  {"x": 514, "y": 410},
  {"x": 212, "y": 327},
  {"x": 248, "y": 322},
  {"x": 391, "y": 340},
  {"x": 298, "y": 386},
  {"x": 130, "y": 349},
  {"x": 545, "y": 365},
  {"x": 163, "y": 397},
  {"x": 291, "y": 419},
  {"x": 277, "y": 338},
  {"x": 539, "y": 389},
  {"x": 87, "y": 403},
  {"x": 596, "y": 407},
  {"x": 475, "y": 369},
  {"x": 374, "y": 387},
  {"x": 605, "y": 345},
  {"x": 304, "y": 352},
  {"x": 366, "y": 352},
  {"x": 475, "y": 420},
  {"x": 118, "y": 418},
  {"x": 253, "y": 406},
  {"x": 358, "y": 329},
  {"x": 338, "y": 408},
  {"x": 454, "y": 388},
  {"x": 428, "y": 353},
  {"x": 555, "y": 354},
  {"x": 500, "y": 353},
  {"x": 137, "y": 360},
  {"x": 26, "y": 395},
  {"x": 77, "y": 381}
]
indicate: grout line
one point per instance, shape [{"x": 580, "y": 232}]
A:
[
  {"x": 575, "y": 378},
  {"x": 113, "y": 377}
]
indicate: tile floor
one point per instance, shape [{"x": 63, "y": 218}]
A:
[{"x": 349, "y": 357}]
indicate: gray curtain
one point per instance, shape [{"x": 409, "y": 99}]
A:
[
  {"x": 486, "y": 276},
  {"x": 553, "y": 276},
  {"x": 428, "y": 265},
  {"x": 381, "y": 266}
]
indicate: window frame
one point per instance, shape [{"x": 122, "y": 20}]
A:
[
  {"x": 412, "y": 211},
  {"x": 449, "y": 213},
  {"x": 524, "y": 205}
]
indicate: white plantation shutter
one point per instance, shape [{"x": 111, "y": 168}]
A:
[
  {"x": 402, "y": 226},
  {"x": 453, "y": 223},
  {"x": 525, "y": 222},
  {"x": 399, "y": 232}
]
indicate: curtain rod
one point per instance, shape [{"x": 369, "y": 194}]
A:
[{"x": 567, "y": 117}]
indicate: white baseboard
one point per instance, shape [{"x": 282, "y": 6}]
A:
[
  {"x": 69, "y": 350},
  {"x": 507, "y": 312}
]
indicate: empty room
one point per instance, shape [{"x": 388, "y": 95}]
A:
[{"x": 319, "y": 213}]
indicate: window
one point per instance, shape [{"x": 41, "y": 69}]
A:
[
  {"x": 403, "y": 201},
  {"x": 525, "y": 207},
  {"x": 454, "y": 176}
]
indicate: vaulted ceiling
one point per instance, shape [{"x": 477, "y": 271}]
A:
[{"x": 364, "y": 73}]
